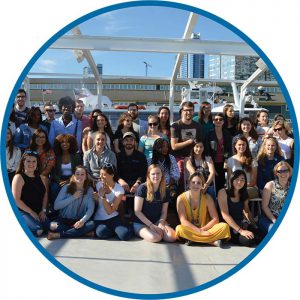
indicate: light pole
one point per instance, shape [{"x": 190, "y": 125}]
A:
[{"x": 146, "y": 66}]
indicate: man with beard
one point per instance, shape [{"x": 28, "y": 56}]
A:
[
  {"x": 67, "y": 123},
  {"x": 20, "y": 108},
  {"x": 183, "y": 134},
  {"x": 131, "y": 167},
  {"x": 140, "y": 126}
]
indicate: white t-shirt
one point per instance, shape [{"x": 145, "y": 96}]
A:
[
  {"x": 101, "y": 213},
  {"x": 234, "y": 165},
  {"x": 285, "y": 147}
]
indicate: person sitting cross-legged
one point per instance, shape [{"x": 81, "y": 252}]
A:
[
  {"x": 198, "y": 215},
  {"x": 75, "y": 205}
]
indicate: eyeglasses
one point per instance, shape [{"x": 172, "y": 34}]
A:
[
  {"x": 30, "y": 152},
  {"x": 218, "y": 119},
  {"x": 152, "y": 124},
  {"x": 50, "y": 110},
  {"x": 277, "y": 129},
  {"x": 283, "y": 171}
]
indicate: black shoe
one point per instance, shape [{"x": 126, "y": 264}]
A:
[{"x": 188, "y": 243}]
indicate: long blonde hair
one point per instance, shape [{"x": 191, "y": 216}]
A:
[
  {"x": 262, "y": 152},
  {"x": 162, "y": 184}
]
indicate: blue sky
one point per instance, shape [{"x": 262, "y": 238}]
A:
[{"x": 156, "y": 21}]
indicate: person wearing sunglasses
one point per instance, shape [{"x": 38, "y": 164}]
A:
[
  {"x": 29, "y": 190},
  {"x": 274, "y": 195},
  {"x": 147, "y": 140},
  {"x": 49, "y": 112},
  {"x": 285, "y": 142},
  {"x": 218, "y": 145}
]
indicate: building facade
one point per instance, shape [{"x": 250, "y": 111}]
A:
[{"x": 192, "y": 65}]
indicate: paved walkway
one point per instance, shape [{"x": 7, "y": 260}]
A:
[{"x": 137, "y": 266}]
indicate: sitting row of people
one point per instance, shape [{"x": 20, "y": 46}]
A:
[{"x": 84, "y": 211}]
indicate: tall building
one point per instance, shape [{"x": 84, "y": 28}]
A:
[
  {"x": 234, "y": 67},
  {"x": 192, "y": 65},
  {"x": 87, "y": 71}
]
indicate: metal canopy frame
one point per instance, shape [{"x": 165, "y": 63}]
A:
[{"x": 82, "y": 45}]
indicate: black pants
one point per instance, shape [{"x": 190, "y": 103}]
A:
[{"x": 220, "y": 176}]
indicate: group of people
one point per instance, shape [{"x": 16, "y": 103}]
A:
[{"x": 73, "y": 176}]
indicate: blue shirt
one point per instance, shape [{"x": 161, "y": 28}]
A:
[
  {"x": 265, "y": 171},
  {"x": 151, "y": 210},
  {"x": 73, "y": 128},
  {"x": 23, "y": 136}
]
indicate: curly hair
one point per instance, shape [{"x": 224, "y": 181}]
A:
[
  {"x": 66, "y": 101},
  {"x": 29, "y": 118},
  {"x": 68, "y": 138},
  {"x": 122, "y": 118},
  {"x": 157, "y": 148}
]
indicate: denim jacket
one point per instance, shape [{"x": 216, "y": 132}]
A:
[{"x": 23, "y": 135}]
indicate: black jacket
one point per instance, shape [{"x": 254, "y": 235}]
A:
[{"x": 211, "y": 138}]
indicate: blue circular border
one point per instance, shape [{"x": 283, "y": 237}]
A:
[{"x": 139, "y": 4}]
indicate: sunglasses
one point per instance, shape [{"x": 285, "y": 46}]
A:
[
  {"x": 218, "y": 119},
  {"x": 277, "y": 129},
  {"x": 152, "y": 124},
  {"x": 108, "y": 165},
  {"x": 30, "y": 152},
  {"x": 282, "y": 171}
]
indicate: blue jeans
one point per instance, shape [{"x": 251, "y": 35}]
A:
[
  {"x": 67, "y": 231},
  {"x": 265, "y": 224},
  {"x": 106, "y": 229},
  {"x": 34, "y": 225}
]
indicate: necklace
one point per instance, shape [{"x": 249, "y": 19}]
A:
[{"x": 195, "y": 222}]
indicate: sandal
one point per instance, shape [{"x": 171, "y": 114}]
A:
[{"x": 53, "y": 235}]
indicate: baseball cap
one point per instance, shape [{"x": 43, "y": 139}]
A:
[{"x": 130, "y": 134}]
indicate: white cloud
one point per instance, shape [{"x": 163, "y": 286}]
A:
[
  {"x": 45, "y": 65},
  {"x": 111, "y": 23}
]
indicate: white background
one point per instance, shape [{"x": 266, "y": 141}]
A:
[{"x": 25, "y": 26}]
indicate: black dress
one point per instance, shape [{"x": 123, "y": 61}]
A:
[{"x": 33, "y": 192}]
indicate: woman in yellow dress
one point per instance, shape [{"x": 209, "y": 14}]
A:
[{"x": 198, "y": 215}]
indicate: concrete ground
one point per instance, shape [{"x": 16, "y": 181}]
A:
[{"x": 137, "y": 266}]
